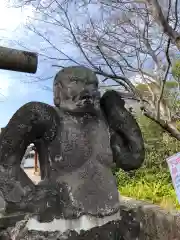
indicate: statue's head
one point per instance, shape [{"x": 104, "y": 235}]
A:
[{"x": 76, "y": 88}]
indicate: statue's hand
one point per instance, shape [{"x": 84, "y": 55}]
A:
[
  {"x": 126, "y": 138},
  {"x": 20, "y": 196},
  {"x": 9, "y": 186}
]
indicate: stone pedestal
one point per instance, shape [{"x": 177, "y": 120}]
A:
[{"x": 126, "y": 228}]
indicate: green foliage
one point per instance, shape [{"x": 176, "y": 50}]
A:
[
  {"x": 152, "y": 182},
  {"x": 178, "y": 125},
  {"x": 143, "y": 87},
  {"x": 152, "y": 132},
  {"x": 144, "y": 90},
  {"x": 152, "y": 185},
  {"x": 171, "y": 85},
  {"x": 176, "y": 69}
]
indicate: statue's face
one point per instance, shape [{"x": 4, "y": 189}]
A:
[{"x": 78, "y": 92}]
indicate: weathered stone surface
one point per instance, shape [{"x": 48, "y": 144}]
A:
[
  {"x": 78, "y": 142},
  {"x": 156, "y": 223},
  {"x": 2, "y": 202},
  {"x": 10, "y": 220},
  {"x": 140, "y": 220},
  {"x": 127, "y": 228}
]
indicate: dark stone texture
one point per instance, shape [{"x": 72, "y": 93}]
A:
[
  {"x": 78, "y": 142},
  {"x": 126, "y": 138},
  {"x": 125, "y": 229},
  {"x": 115, "y": 230},
  {"x": 155, "y": 224},
  {"x": 10, "y": 220}
]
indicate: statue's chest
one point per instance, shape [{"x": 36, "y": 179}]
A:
[
  {"x": 75, "y": 139},
  {"x": 79, "y": 140}
]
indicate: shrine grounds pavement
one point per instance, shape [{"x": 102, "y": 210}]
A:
[{"x": 31, "y": 175}]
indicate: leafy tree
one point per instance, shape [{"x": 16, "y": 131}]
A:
[
  {"x": 152, "y": 181},
  {"x": 176, "y": 71}
]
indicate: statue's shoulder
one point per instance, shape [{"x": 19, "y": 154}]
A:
[
  {"x": 38, "y": 108},
  {"x": 37, "y": 113},
  {"x": 31, "y": 106},
  {"x": 111, "y": 97},
  {"x": 35, "y": 119}
]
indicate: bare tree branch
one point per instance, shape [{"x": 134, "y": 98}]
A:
[
  {"x": 162, "y": 21},
  {"x": 123, "y": 43}
]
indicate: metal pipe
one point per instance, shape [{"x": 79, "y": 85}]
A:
[{"x": 18, "y": 60}]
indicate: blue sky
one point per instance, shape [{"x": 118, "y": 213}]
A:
[{"x": 14, "y": 87}]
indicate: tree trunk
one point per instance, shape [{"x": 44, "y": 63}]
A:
[
  {"x": 167, "y": 126},
  {"x": 162, "y": 21},
  {"x": 18, "y": 60}
]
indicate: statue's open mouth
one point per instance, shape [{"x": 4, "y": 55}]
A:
[{"x": 86, "y": 99}]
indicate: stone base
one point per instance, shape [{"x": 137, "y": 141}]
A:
[
  {"x": 110, "y": 231},
  {"x": 125, "y": 229}
]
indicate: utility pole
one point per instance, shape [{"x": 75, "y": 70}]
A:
[
  {"x": 18, "y": 60},
  {"x": 36, "y": 169}
]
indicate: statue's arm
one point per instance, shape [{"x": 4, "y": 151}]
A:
[
  {"x": 126, "y": 139},
  {"x": 32, "y": 122}
]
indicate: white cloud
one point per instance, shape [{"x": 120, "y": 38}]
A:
[
  {"x": 11, "y": 20},
  {"x": 10, "y": 85},
  {"x": 11, "y": 17},
  {"x": 5, "y": 84}
]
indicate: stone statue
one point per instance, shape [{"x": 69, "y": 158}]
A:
[{"x": 78, "y": 141}]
